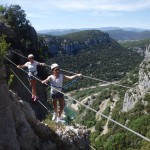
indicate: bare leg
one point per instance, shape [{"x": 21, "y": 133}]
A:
[
  {"x": 33, "y": 85},
  {"x": 61, "y": 103},
  {"x": 55, "y": 105}
]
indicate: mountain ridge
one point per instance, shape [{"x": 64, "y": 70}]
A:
[
  {"x": 114, "y": 32},
  {"x": 101, "y": 28}
]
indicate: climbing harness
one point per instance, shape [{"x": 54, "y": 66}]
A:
[
  {"x": 64, "y": 87},
  {"x": 30, "y": 73},
  {"x": 67, "y": 85},
  {"x": 70, "y": 83}
]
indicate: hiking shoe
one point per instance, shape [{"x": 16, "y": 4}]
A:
[
  {"x": 35, "y": 98},
  {"x": 60, "y": 120},
  {"x": 32, "y": 97},
  {"x": 54, "y": 116}
]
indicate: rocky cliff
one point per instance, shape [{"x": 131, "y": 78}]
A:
[
  {"x": 22, "y": 92},
  {"x": 137, "y": 93},
  {"x": 21, "y": 130},
  {"x": 12, "y": 37}
]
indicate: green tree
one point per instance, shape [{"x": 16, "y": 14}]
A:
[
  {"x": 16, "y": 18},
  {"x": 3, "y": 48},
  {"x": 116, "y": 141},
  {"x": 2, "y": 10},
  {"x": 147, "y": 97},
  {"x": 99, "y": 126}
]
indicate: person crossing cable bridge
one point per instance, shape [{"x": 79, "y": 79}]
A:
[
  {"x": 32, "y": 71},
  {"x": 56, "y": 80}
]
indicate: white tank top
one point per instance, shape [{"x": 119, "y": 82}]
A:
[
  {"x": 56, "y": 83},
  {"x": 32, "y": 67}
]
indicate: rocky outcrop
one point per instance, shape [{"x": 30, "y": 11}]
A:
[
  {"x": 131, "y": 97},
  {"x": 32, "y": 37},
  {"x": 31, "y": 46},
  {"x": 22, "y": 92},
  {"x": 28, "y": 42},
  {"x": 137, "y": 93},
  {"x": 7, "y": 124},
  {"x": 144, "y": 73},
  {"x": 21, "y": 130},
  {"x": 30, "y": 132},
  {"x": 10, "y": 34}
]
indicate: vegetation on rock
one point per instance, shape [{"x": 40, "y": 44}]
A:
[{"x": 3, "y": 48}]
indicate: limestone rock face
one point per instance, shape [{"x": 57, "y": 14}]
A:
[
  {"x": 19, "y": 128},
  {"x": 73, "y": 46},
  {"x": 137, "y": 93},
  {"x": 31, "y": 133},
  {"x": 7, "y": 123},
  {"x": 32, "y": 36},
  {"x": 144, "y": 73},
  {"x": 22, "y": 92},
  {"x": 131, "y": 98}
]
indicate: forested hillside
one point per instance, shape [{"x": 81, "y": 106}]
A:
[
  {"x": 128, "y": 35},
  {"x": 127, "y": 105},
  {"x": 135, "y": 43},
  {"x": 92, "y": 53}
]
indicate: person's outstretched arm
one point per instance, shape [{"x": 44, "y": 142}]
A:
[
  {"x": 72, "y": 77},
  {"x": 41, "y": 64},
  {"x": 46, "y": 80},
  {"x": 21, "y": 66}
]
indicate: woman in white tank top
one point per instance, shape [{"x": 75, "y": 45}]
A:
[
  {"x": 56, "y": 81},
  {"x": 32, "y": 71}
]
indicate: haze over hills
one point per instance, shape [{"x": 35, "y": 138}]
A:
[
  {"x": 55, "y": 31},
  {"x": 114, "y": 32}
]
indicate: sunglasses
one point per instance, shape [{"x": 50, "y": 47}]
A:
[
  {"x": 31, "y": 58},
  {"x": 56, "y": 69}
]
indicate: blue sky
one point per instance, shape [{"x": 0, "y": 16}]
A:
[{"x": 66, "y": 14}]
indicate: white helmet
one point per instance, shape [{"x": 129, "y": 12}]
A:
[
  {"x": 30, "y": 56},
  {"x": 54, "y": 66}
]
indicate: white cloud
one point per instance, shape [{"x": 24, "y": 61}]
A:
[
  {"x": 72, "y": 5},
  {"x": 105, "y": 13},
  {"x": 103, "y": 5}
]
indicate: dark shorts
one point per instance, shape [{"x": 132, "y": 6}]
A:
[
  {"x": 57, "y": 96},
  {"x": 31, "y": 77}
]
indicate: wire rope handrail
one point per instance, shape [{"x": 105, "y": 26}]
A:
[
  {"x": 89, "y": 77},
  {"x": 85, "y": 76},
  {"x": 87, "y": 107}
]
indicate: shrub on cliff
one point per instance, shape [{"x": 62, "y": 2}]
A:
[{"x": 3, "y": 48}]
